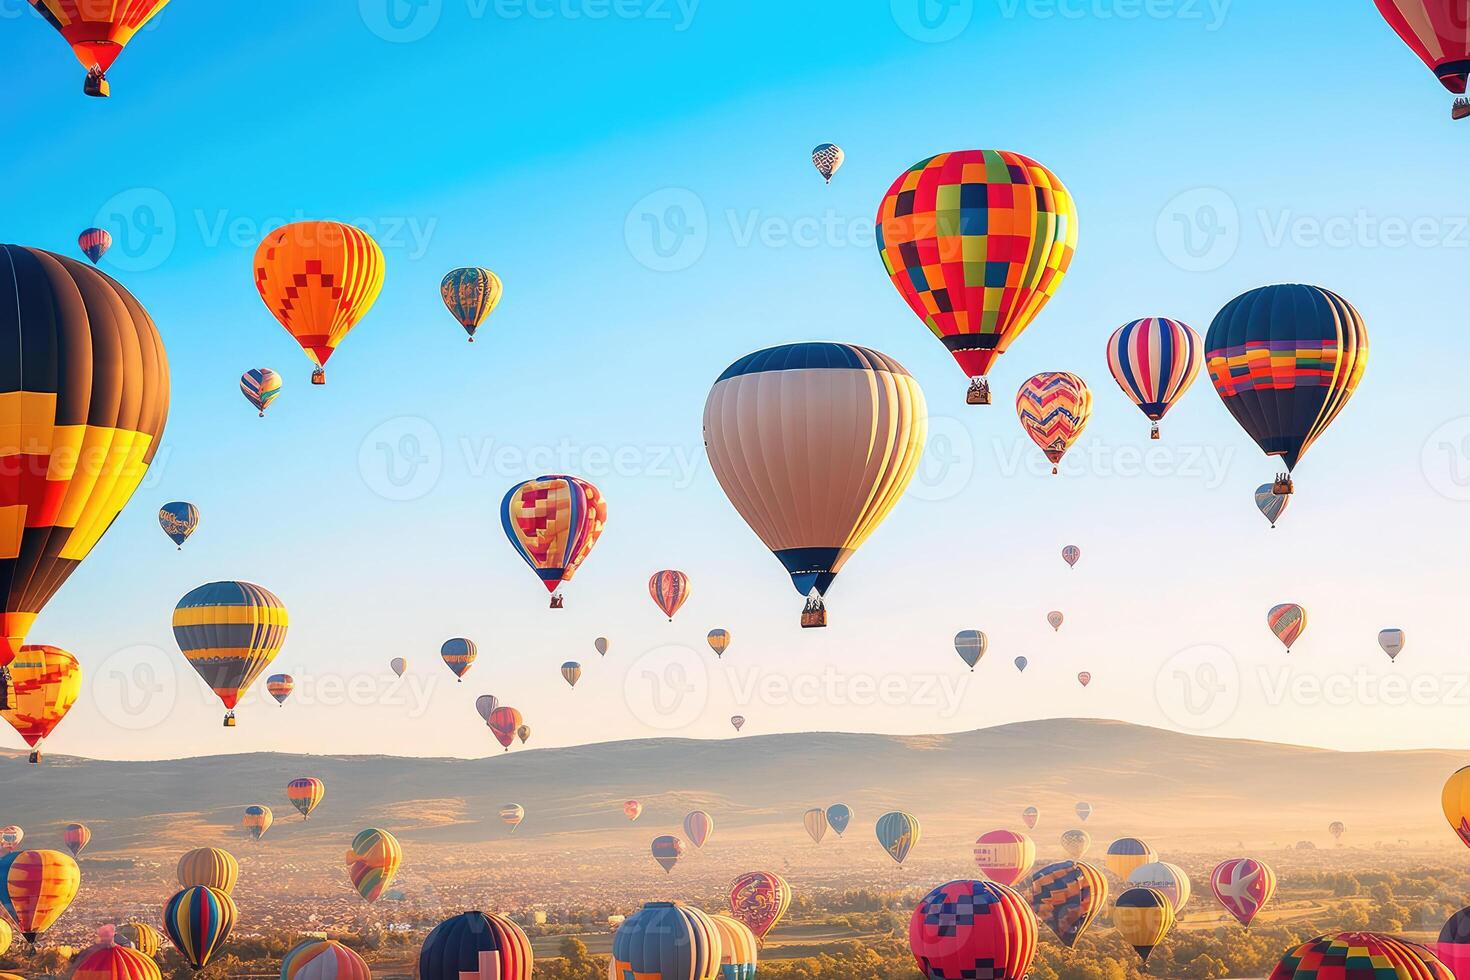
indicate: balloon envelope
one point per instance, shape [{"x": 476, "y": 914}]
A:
[
  {"x": 471, "y": 295},
  {"x": 1066, "y": 897},
  {"x": 484, "y": 944},
  {"x": 178, "y": 520},
  {"x": 1054, "y": 407},
  {"x": 760, "y": 899},
  {"x": 669, "y": 590},
  {"x": 1243, "y": 886},
  {"x": 260, "y": 386},
  {"x": 372, "y": 862},
  {"x": 839, "y": 815},
  {"x": 963, "y": 924},
  {"x": 230, "y": 632},
  {"x": 971, "y": 646},
  {"x": 898, "y": 833},
  {"x": 1004, "y": 855}
]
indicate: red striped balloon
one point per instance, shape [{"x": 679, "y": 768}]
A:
[
  {"x": 1154, "y": 361},
  {"x": 1054, "y": 407},
  {"x": 670, "y": 590}
]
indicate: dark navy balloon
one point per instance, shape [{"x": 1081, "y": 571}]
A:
[{"x": 476, "y": 945}]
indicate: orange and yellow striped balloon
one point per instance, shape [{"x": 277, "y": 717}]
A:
[
  {"x": 372, "y": 861},
  {"x": 318, "y": 278},
  {"x": 141, "y": 936},
  {"x": 305, "y": 793},
  {"x": 45, "y": 684},
  {"x": 36, "y": 887},
  {"x": 230, "y": 632},
  {"x": 1054, "y": 407},
  {"x": 110, "y": 961},
  {"x": 471, "y": 295},
  {"x": 209, "y": 866}
]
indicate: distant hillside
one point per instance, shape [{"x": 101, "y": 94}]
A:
[{"x": 1187, "y": 789}]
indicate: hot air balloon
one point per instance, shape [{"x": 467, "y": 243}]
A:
[
  {"x": 1453, "y": 947},
  {"x": 486, "y": 704},
  {"x": 178, "y": 520},
  {"x": 97, "y": 33},
  {"x": 667, "y": 850},
  {"x": 260, "y": 386},
  {"x": 1004, "y": 855},
  {"x": 759, "y": 899},
  {"x": 372, "y": 862},
  {"x": 230, "y": 632},
  {"x": 972, "y": 929},
  {"x": 815, "y": 822},
  {"x": 976, "y": 242},
  {"x": 666, "y": 941},
  {"x": 503, "y": 722},
  {"x": 211, "y": 867},
  {"x": 827, "y": 158},
  {"x": 10, "y": 838},
  {"x": 1030, "y": 817},
  {"x": 1143, "y": 917},
  {"x": 1054, "y": 407},
  {"x": 814, "y": 444},
  {"x": 199, "y": 920},
  {"x": 471, "y": 295},
  {"x": 280, "y": 686},
  {"x": 459, "y": 655},
  {"x": 1054, "y": 620},
  {"x": 719, "y": 641},
  {"x": 398, "y": 665},
  {"x": 971, "y": 646},
  {"x": 109, "y": 960},
  {"x": 511, "y": 815},
  {"x": 1336, "y": 829},
  {"x": 1066, "y": 897},
  {"x": 632, "y": 809},
  {"x": 1439, "y": 33},
  {"x": 1126, "y": 854},
  {"x": 1076, "y": 843},
  {"x": 737, "y": 721},
  {"x": 323, "y": 959},
  {"x": 601, "y": 644},
  {"x": 476, "y": 944},
  {"x": 669, "y": 590},
  {"x": 1346, "y": 955},
  {"x": 94, "y": 243},
  {"x": 1392, "y": 641},
  {"x": 1021, "y": 664},
  {"x": 898, "y": 833},
  {"x": 1288, "y": 621},
  {"x": 553, "y": 523},
  {"x": 523, "y": 732},
  {"x": 318, "y": 278},
  {"x": 45, "y": 682},
  {"x": 1083, "y": 811},
  {"x": 739, "y": 949},
  {"x": 839, "y": 815},
  {"x": 1168, "y": 879},
  {"x": 698, "y": 825},
  {"x": 1154, "y": 361},
  {"x": 1084, "y": 677},
  {"x": 1243, "y": 886},
  {"x": 1285, "y": 360},
  {"x": 76, "y": 837},
  {"x": 1270, "y": 504},
  {"x": 1071, "y": 554},
  {"x": 141, "y": 936},
  {"x": 571, "y": 672},
  {"x": 305, "y": 794},
  {"x": 88, "y": 374},
  {"x": 36, "y": 887},
  {"x": 257, "y": 820}
]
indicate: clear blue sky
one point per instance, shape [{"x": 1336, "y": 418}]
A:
[{"x": 539, "y": 138}]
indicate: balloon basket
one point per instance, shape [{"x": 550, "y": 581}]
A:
[
  {"x": 1283, "y": 487},
  {"x": 979, "y": 393},
  {"x": 319, "y": 376},
  {"x": 5, "y": 688},
  {"x": 230, "y": 720},
  {"x": 557, "y": 602},
  {"x": 36, "y": 758},
  {"x": 96, "y": 84},
  {"x": 814, "y": 615},
  {"x": 1153, "y": 433},
  {"x": 1461, "y": 109}
]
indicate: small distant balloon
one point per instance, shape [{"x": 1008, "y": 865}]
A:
[
  {"x": 1270, "y": 503},
  {"x": 1288, "y": 621},
  {"x": 738, "y": 721},
  {"x": 260, "y": 386},
  {"x": 471, "y": 295},
  {"x": 1054, "y": 407},
  {"x": 1392, "y": 641},
  {"x": 459, "y": 655},
  {"x": 511, "y": 815},
  {"x": 669, "y": 590},
  {"x": 719, "y": 641},
  {"x": 178, "y": 520},
  {"x": 280, "y": 686},
  {"x": 815, "y": 822},
  {"x": 1071, "y": 554},
  {"x": 1076, "y": 843},
  {"x": 601, "y": 644},
  {"x": 839, "y": 815},
  {"x": 305, "y": 794},
  {"x": 1029, "y": 817},
  {"x": 1083, "y": 811},
  {"x": 898, "y": 833},
  {"x": 485, "y": 704},
  {"x": 94, "y": 243},
  {"x": 1084, "y": 677},
  {"x": 971, "y": 646},
  {"x": 698, "y": 825},
  {"x": 523, "y": 732},
  {"x": 632, "y": 809},
  {"x": 1021, "y": 664},
  {"x": 827, "y": 158},
  {"x": 398, "y": 665},
  {"x": 1054, "y": 618},
  {"x": 504, "y": 722},
  {"x": 667, "y": 850},
  {"x": 571, "y": 672}
]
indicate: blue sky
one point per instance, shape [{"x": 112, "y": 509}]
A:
[{"x": 1211, "y": 148}]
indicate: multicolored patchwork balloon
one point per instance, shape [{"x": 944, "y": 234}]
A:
[
  {"x": 305, "y": 794},
  {"x": 553, "y": 522},
  {"x": 827, "y": 158},
  {"x": 260, "y": 386},
  {"x": 1066, "y": 897},
  {"x": 372, "y": 862},
  {"x": 973, "y": 929}
]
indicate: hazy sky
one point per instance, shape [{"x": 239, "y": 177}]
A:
[{"x": 637, "y": 172}]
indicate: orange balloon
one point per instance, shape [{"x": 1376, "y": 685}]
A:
[
  {"x": 47, "y": 681},
  {"x": 318, "y": 278}
]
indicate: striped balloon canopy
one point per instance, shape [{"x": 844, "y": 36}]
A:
[
  {"x": 553, "y": 522},
  {"x": 1054, "y": 407},
  {"x": 471, "y": 295},
  {"x": 260, "y": 386},
  {"x": 1154, "y": 361},
  {"x": 372, "y": 862},
  {"x": 230, "y": 632}
]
